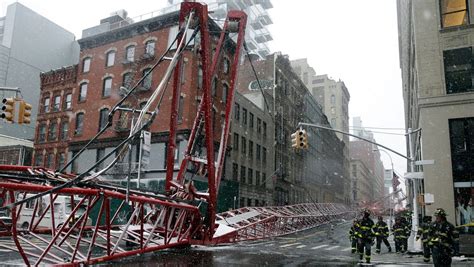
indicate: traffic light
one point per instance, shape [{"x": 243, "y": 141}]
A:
[
  {"x": 8, "y": 109},
  {"x": 24, "y": 112},
  {"x": 294, "y": 139},
  {"x": 303, "y": 140}
]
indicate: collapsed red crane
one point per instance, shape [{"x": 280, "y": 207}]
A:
[{"x": 57, "y": 218}]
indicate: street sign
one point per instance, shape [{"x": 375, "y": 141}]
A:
[
  {"x": 414, "y": 175},
  {"x": 425, "y": 162}
]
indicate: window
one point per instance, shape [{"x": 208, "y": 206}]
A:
[
  {"x": 250, "y": 149},
  {"x": 52, "y": 133},
  {"x": 67, "y": 101},
  {"x": 50, "y": 161},
  {"x": 244, "y": 116},
  {"x": 242, "y": 174},
  {"x": 244, "y": 145},
  {"x": 333, "y": 123},
  {"x": 264, "y": 179},
  {"x": 257, "y": 178},
  {"x": 258, "y": 151},
  {"x": 180, "y": 108},
  {"x": 214, "y": 87},
  {"x": 264, "y": 155},
  {"x": 458, "y": 70},
  {"x": 200, "y": 77},
  {"x": 86, "y": 64},
  {"x": 104, "y": 115},
  {"x": 130, "y": 54},
  {"x": 250, "y": 120},
  {"x": 235, "y": 171},
  {"x": 333, "y": 99},
  {"x": 146, "y": 83},
  {"x": 225, "y": 66},
  {"x": 127, "y": 80},
  {"x": 42, "y": 133},
  {"x": 150, "y": 48},
  {"x": 107, "y": 87},
  {"x": 110, "y": 59},
  {"x": 64, "y": 130},
  {"x": 38, "y": 159},
  {"x": 46, "y": 105},
  {"x": 57, "y": 103},
  {"x": 225, "y": 91},
  {"x": 264, "y": 129},
  {"x": 61, "y": 160},
  {"x": 82, "y": 92},
  {"x": 236, "y": 142},
  {"x": 79, "y": 123},
  {"x": 74, "y": 165},
  {"x": 237, "y": 111},
  {"x": 259, "y": 125},
  {"x": 317, "y": 81},
  {"x": 100, "y": 154},
  {"x": 250, "y": 176},
  {"x": 453, "y": 13},
  {"x": 461, "y": 133}
]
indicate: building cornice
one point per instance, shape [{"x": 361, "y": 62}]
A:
[{"x": 446, "y": 100}]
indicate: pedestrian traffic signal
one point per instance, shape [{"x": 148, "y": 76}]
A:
[
  {"x": 24, "y": 112},
  {"x": 8, "y": 109}
]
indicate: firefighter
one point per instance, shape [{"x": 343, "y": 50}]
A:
[
  {"x": 352, "y": 236},
  {"x": 365, "y": 236},
  {"x": 441, "y": 239},
  {"x": 423, "y": 233},
  {"x": 399, "y": 235},
  {"x": 381, "y": 234},
  {"x": 407, "y": 223}
]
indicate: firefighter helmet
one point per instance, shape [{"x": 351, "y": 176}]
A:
[{"x": 440, "y": 212}]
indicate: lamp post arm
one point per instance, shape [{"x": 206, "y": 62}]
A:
[{"x": 355, "y": 136}]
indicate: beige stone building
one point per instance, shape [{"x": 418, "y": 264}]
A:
[{"x": 436, "y": 40}]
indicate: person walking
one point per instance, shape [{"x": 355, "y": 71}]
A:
[
  {"x": 441, "y": 239},
  {"x": 407, "y": 223},
  {"x": 381, "y": 233},
  {"x": 353, "y": 236},
  {"x": 399, "y": 235},
  {"x": 365, "y": 236},
  {"x": 423, "y": 233}
]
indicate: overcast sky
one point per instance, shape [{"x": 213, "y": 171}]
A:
[{"x": 355, "y": 41}]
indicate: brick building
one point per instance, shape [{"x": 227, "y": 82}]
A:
[{"x": 113, "y": 57}]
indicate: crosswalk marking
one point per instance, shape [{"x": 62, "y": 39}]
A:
[
  {"x": 320, "y": 246},
  {"x": 331, "y": 248},
  {"x": 346, "y": 249},
  {"x": 291, "y": 244},
  {"x": 301, "y": 246}
]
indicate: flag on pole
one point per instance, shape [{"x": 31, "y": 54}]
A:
[{"x": 395, "y": 181}]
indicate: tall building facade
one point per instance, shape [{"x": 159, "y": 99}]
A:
[
  {"x": 251, "y": 161},
  {"x": 257, "y": 34},
  {"x": 27, "y": 39},
  {"x": 436, "y": 40},
  {"x": 333, "y": 96},
  {"x": 301, "y": 176}
]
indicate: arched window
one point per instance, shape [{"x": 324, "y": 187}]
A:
[
  {"x": 130, "y": 53},
  {"x": 146, "y": 83},
  {"x": 107, "y": 87},
  {"x": 110, "y": 59},
  {"x": 104, "y": 114},
  {"x": 150, "y": 48},
  {"x": 83, "y": 92},
  {"x": 79, "y": 123},
  {"x": 86, "y": 64},
  {"x": 333, "y": 99}
]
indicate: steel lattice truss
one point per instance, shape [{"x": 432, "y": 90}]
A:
[{"x": 263, "y": 222}]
